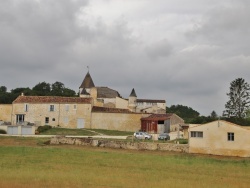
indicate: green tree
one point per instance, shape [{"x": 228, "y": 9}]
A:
[
  {"x": 3, "y": 89},
  {"x": 42, "y": 89},
  {"x": 57, "y": 89},
  {"x": 239, "y": 99},
  {"x": 213, "y": 115},
  {"x": 185, "y": 112}
]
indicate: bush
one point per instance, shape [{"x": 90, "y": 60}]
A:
[
  {"x": 43, "y": 128},
  {"x": 2, "y": 131},
  {"x": 183, "y": 141}
]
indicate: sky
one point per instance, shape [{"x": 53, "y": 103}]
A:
[{"x": 184, "y": 52}]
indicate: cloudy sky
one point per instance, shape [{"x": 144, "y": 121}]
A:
[{"x": 186, "y": 52}]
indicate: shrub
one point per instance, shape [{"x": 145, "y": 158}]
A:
[
  {"x": 2, "y": 131},
  {"x": 183, "y": 141},
  {"x": 43, "y": 128}
]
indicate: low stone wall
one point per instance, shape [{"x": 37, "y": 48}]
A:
[{"x": 120, "y": 144}]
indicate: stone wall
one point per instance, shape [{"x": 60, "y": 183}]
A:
[
  {"x": 116, "y": 121},
  {"x": 120, "y": 144},
  {"x": 5, "y": 112}
]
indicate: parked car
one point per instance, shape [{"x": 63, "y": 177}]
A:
[
  {"x": 142, "y": 135},
  {"x": 164, "y": 136}
]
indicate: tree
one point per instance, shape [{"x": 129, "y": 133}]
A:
[
  {"x": 213, "y": 115},
  {"x": 239, "y": 99},
  {"x": 187, "y": 113},
  {"x": 57, "y": 89},
  {"x": 42, "y": 89},
  {"x": 3, "y": 89}
]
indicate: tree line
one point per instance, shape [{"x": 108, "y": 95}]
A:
[
  {"x": 40, "y": 89},
  {"x": 237, "y": 108}
]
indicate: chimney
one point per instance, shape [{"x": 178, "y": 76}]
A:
[{"x": 22, "y": 94}]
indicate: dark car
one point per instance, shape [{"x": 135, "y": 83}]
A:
[{"x": 164, "y": 136}]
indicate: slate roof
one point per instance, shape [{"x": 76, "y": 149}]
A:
[
  {"x": 133, "y": 94},
  {"x": 158, "y": 117},
  {"x": 110, "y": 110},
  {"x": 84, "y": 92},
  {"x": 151, "y": 100},
  {"x": 87, "y": 82},
  {"x": 105, "y": 92},
  {"x": 51, "y": 99}
]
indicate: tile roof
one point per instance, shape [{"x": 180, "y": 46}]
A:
[
  {"x": 110, "y": 110},
  {"x": 84, "y": 92},
  {"x": 87, "y": 82},
  {"x": 105, "y": 92},
  {"x": 133, "y": 94},
  {"x": 151, "y": 100},
  {"x": 157, "y": 117},
  {"x": 51, "y": 99}
]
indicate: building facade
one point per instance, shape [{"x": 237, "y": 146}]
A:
[{"x": 220, "y": 138}]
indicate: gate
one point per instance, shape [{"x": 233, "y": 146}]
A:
[
  {"x": 12, "y": 130},
  {"x": 26, "y": 130}
]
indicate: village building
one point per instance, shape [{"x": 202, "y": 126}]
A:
[
  {"x": 107, "y": 97},
  {"x": 161, "y": 123},
  {"x": 96, "y": 107},
  {"x": 220, "y": 138}
]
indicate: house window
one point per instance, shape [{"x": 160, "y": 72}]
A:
[
  {"x": 230, "y": 136},
  {"x": 26, "y": 107},
  {"x": 66, "y": 120},
  {"x": 51, "y": 108},
  {"x": 66, "y": 107},
  {"x": 46, "y": 120},
  {"x": 19, "y": 118},
  {"x": 197, "y": 134},
  {"x": 75, "y": 107}
]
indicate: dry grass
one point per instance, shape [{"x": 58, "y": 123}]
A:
[{"x": 25, "y": 164}]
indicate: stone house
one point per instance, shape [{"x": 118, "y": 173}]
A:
[
  {"x": 70, "y": 112},
  {"x": 220, "y": 138}
]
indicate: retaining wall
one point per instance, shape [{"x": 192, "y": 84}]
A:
[{"x": 120, "y": 144}]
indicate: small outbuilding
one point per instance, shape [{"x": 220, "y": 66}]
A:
[
  {"x": 161, "y": 123},
  {"x": 220, "y": 138}
]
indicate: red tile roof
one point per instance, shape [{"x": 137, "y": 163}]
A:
[
  {"x": 158, "y": 117},
  {"x": 151, "y": 100},
  {"x": 110, "y": 110},
  {"x": 51, "y": 99}
]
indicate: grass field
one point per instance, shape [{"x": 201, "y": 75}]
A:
[
  {"x": 84, "y": 132},
  {"x": 25, "y": 163}
]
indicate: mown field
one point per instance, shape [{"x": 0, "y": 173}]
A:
[
  {"x": 84, "y": 132},
  {"x": 27, "y": 162}
]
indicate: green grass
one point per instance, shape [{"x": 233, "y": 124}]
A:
[
  {"x": 65, "y": 131},
  {"x": 112, "y": 132},
  {"x": 76, "y": 166},
  {"x": 84, "y": 132}
]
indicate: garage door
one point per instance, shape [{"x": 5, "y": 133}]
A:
[
  {"x": 26, "y": 130},
  {"x": 80, "y": 123},
  {"x": 12, "y": 130}
]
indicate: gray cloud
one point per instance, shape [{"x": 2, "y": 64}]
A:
[{"x": 184, "y": 52}]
